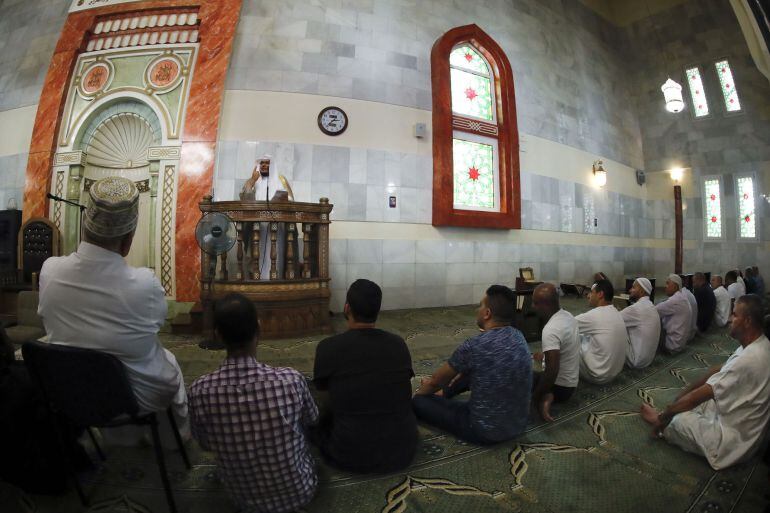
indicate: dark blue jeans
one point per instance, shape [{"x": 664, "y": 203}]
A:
[{"x": 447, "y": 414}]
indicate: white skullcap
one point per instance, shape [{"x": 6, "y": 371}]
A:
[
  {"x": 645, "y": 284},
  {"x": 676, "y": 279}
]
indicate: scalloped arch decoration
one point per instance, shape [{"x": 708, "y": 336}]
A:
[{"x": 121, "y": 141}]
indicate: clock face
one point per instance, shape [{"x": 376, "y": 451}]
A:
[{"x": 332, "y": 121}]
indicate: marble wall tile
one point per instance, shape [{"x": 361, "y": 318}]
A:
[
  {"x": 398, "y": 275},
  {"x": 459, "y": 251},
  {"x": 431, "y": 251},
  {"x": 365, "y": 251},
  {"x": 369, "y": 271},
  {"x": 460, "y": 295},
  {"x": 399, "y": 251}
]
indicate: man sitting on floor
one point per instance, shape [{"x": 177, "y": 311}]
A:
[
  {"x": 252, "y": 417},
  {"x": 707, "y": 301},
  {"x": 93, "y": 299},
  {"x": 496, "y": 366},
  {"x": 723, "y": 301},
  {"x": 561, "y": 352},
  {"x": 723, "y": 415},
  {"x": 759, "y": 281},
  {"x": 735, "y": 288},
  {"x": 675, "y": 316},
  {"x": 370, "y": 425},
  {"x": 603, "y": 336},
  {"x": 643, "y": 325},
  {"x": 693, "y": 310}
]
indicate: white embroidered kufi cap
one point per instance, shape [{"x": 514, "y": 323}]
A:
[
  {"x": 112, "y": 209},
  {"x": 645, "y": 284}
]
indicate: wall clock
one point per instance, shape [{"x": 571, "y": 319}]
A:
[{"x": 332, "y": 121}]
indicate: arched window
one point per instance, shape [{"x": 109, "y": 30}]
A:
[{"x": 475, "y": 137}]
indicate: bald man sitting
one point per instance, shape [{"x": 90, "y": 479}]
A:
[
  {"x": 723, "y": 301},
  {"x": 643, "y": 325},
  {"x": 724, "y": 414},
  {"x": 561, "y": 352},
  {"x": 675, "y": 316},
  {"x": 603, "y": 336}
]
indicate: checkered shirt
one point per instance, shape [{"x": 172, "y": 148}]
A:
[{"x": 252, "y": 416}]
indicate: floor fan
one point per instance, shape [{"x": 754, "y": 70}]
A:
[{"x": 216, "y": 235}]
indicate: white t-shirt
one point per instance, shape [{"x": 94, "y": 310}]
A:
[
  {"x": 561, "y": 334},
  {"x": 693, "y": 310},
  {"x": 603, "y": 342},
  {"x": 643, "y": 325},
  {"x": 722, "y": 312},
  {"x": 728, "y": 428},
  {"x": 736, "y": 290}
]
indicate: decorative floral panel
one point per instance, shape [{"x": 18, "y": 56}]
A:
[
  {"x": 746, "y": 208},
  {"x": 700, "y": 105},
  {"x": 713, "y": 208},
  {"x": 474, "y": 175},
  {"x": 732, "y": 103},
  {"x": 471, "y": 95},
  {"x": 465, "y": 57}
]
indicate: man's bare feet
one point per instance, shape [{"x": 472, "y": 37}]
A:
[
  {"x": 649, "y": 414},
  {"x": 545, "y": 407}
]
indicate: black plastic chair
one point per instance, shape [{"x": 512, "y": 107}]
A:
[{"x": 90, "y": 389}]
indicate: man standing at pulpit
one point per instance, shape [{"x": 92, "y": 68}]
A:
[{"x": 267, "y": 185}]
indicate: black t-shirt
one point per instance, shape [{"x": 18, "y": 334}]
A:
[{"x": 367, "y": 373}]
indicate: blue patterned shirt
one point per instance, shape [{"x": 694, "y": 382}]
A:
[{"x": 499, "y": 365}]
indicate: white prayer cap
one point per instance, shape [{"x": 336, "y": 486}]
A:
[
  {"x": 676, "y": 279},
  {"x": 645, "y": 284},
  {"x": 112, "y": 207}
]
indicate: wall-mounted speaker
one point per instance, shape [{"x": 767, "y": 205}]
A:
[{"x": 640, "y": 179}]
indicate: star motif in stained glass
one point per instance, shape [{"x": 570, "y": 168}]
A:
[
  {"x": 473, "y": 173},
  {"x": 713, "y": 219},
  {"x": 468, "y": 57},
  {"x": 724, "y": 70},
  {"x": 713, "y": 197},
  {"x": 747, "y": 219},
  {"x": 697, "y": 91},
  {"x": 745, "y": 196},
  {"x": 727, "y": 86},
  {"x": 470, "y": 93}
]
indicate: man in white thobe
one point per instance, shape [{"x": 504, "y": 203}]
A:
[
  {"x": 693, "y": 310},
  {"x": 93, "y": 299},
  {"x": 722, "y": 312},
  {"x": 603, "y": 336},
  {"x": 675, "y": 315},
  {"x": 266, "y": 185},
  {"x": 643, "y": 325},
  {"x": 735, "y": 287},
  {"x": 724, "y": 414}
]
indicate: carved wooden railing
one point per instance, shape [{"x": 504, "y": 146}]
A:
[{"x": 290, "y": 303}]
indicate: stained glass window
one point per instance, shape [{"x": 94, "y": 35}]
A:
[
  {"x": 713, "y": 208},
  {"x": 699, "y": 104},
  {"x": 746, "y": 207},
  {"x": 467, "y": 58},
  {"x": 475, "y": 175},
  {"x": 732, "y": 103},
  {"x": 471, "y": 84}
]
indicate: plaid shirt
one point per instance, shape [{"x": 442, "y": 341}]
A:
[{"x": 251, "y": 416}]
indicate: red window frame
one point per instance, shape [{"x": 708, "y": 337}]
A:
[{"x": 445, "y": 122}]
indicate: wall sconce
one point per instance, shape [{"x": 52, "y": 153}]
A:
[
  {"x": 676, "y": 174},
  {"x": 600, "y": 175}
]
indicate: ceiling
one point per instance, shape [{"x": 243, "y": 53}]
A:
[{"x": 626, "y": 12}]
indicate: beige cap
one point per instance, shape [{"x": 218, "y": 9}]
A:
[
  {"x": 112, "y": 209},
  {"x": 676, "y": 279}
]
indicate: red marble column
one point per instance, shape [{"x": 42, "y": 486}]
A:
[{"x": 199, "y": 135}]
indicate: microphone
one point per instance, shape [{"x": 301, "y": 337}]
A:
[{"x": 57, "y": 198}]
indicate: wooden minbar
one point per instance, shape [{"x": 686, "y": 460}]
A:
[{"x": 291, "y": 303}]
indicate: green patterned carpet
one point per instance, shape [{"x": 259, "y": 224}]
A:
[{"x": 597, "y": 456}]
